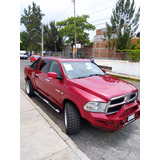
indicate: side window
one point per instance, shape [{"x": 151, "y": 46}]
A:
[
  {"x": 54, "y": 67},
  {"x": 44, "y": 66},
  {"x": 35, "y": 64}
]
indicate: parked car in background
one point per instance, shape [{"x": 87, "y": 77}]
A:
[
  {"x": 34, "y": 58},
  {"x": 23, "y": 56}
]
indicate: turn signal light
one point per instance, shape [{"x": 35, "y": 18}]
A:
[{"x": 116, "y": 125}]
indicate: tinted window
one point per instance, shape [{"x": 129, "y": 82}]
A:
[
  {"x": 35, "y": 64},
  {"x": 44, "y": 66},
  {"x": 54, "y": 67}
]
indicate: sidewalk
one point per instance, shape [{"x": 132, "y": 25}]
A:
[{"x": 41, "y": 138}]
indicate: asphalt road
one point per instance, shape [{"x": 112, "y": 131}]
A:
[{"x": 96, "y": 144}]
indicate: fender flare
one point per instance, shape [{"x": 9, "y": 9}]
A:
[{"x": 73, "y": 100}]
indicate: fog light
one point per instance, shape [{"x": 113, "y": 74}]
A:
[
  {"x": 110, "y": 122},
  {"x": 116, "y": 125}
]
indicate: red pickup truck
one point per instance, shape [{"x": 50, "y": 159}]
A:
[{"x": 82, "y": 90}]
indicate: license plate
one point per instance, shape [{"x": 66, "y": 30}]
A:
[{"x": 131, "y": 117}]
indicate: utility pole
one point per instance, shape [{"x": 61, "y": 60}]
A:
[
  {"x": 75, "y": 54},
  {"x": 42, "y": 39}
]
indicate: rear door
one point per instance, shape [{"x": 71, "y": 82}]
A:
[
  {"x": 33, "y": 69},
  {"x": 41, "y": 75}
]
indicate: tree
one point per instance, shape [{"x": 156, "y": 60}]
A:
[
  {"x": 53, "y": 41},
  {"x": 108, "y": 34},
  {"x": 32, "y": 21},
  {"x": 67, "y": 30},
  {"x": 24, "y": 37},
  {"x": 124, "y": 23},
  {"x": 134, "y": 52}
]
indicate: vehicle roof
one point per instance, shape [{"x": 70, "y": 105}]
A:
[
  {"x": 22, "y": 51},
  {"x": 66, "y": 59}
]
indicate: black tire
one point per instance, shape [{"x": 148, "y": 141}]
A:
[
  {"x": 29, "y": 88},
  {"x": 72, "y": 118}
]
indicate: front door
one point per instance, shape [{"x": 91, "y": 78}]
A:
[{"x": 55, "y": 86}]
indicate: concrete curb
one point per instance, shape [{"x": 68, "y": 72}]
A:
[{"x": 66, "y": 139}]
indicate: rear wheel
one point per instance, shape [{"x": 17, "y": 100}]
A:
[
  {"x": 29, "y": 88},
  {"x": 72, "y": 118}
]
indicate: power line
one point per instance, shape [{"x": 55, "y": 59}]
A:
[
  {"x": 64, "y": 11},
  {"x": 88, "y": 14},
  {"x": 101, "y": 10},
  {"x": 99, "y": 20},
  {"x": 99, "y": 24},
  {"x": 102, "y": 19}
]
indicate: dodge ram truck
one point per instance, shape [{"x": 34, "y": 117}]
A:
[{"x": 80, "y": 89}]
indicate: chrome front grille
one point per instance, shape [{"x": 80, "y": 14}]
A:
[{"x": 116, "y": 103}]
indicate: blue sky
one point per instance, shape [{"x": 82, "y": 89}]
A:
[{"x": 99, "y": 10}]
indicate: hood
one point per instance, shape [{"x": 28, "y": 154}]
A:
[{"x": 104, "y": 87}]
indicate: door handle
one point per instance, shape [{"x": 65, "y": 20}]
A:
[{"x": 36, "y": 74}]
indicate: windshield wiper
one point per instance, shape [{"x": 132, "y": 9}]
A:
[
  {"x": 96, "y": 75},
  {"x": 80, "y": 77},
  {"x": 89, "y": 76}
]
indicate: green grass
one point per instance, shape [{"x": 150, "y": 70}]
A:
[{"x": 127, "y": 78}]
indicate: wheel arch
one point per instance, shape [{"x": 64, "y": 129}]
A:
[
  {"x": 80, "y": 109},
  {"x": 27, "y": 78},
  {"x": 31, "y": 80}
]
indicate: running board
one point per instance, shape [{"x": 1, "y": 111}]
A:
[{"x": 57, "y": 110}]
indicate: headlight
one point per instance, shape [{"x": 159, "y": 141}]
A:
[{"x": 95, "y": 107}]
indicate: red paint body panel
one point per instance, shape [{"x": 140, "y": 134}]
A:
[
  {"x": 105, "y": 87},
  {"x": 84, "y": 90}
]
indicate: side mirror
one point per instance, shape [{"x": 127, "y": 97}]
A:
[{"x": 52, "y": 75}]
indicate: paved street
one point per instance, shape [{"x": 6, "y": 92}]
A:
[{"x": 96, "y": 144}]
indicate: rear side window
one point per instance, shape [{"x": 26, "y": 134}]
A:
[
  {"x": 35, "y": 64},
  {"x": 54, "y": 67},
  {"x": 44, "y": 66}
]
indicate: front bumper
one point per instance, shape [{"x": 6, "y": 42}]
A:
[{"x": 111, "y": 123}]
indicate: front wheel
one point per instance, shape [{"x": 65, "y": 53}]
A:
[
  {"x": 72, "y": 118},
  {"x": 29, "y": 88}
]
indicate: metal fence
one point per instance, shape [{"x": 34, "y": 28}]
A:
[
  {"x": 101, "y": 53},
  {"x": 89, "y": 54}
]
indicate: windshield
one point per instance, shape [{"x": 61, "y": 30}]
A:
[{"x": 76, "y": 70}]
